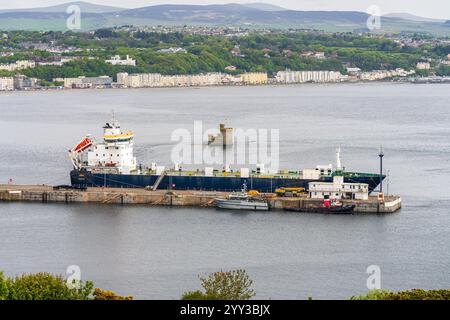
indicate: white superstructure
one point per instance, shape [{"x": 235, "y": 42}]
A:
[
  {"x": 118, "y": 61},
  {"x": 115, "y": 152},
  {"x": 338, "y": 189}
]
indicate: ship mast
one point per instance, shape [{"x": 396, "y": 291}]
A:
[
  {"x": 381, "y": 155},
  {"x": 338, "y": 160},
  {"x": 114, "y": 122}
]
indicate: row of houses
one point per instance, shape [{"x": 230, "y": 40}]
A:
[
  {"x": 19, "y": 82},
  {"x": 18, "y": 65},
  {"x": 143, "y": 80},
  {"x": 385, "y": 74},
  {"x": 335, "y": 76}
]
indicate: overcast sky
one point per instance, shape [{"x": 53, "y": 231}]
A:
[{"x": 425, "y": 8}]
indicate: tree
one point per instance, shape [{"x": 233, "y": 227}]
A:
[
  {"x": 229, "y": 285},
  {"x": 3, "y": 287},
  {"x": 443, "y": 70},
  {"x": 45, "y": 286}
]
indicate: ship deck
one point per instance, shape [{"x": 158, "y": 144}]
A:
[{"x": 236, "y": 174}]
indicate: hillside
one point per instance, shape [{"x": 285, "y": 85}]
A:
[
  {"x": 250, "y": 15},
  {"x": 407, "y": 16},
  {"x": 85, "y": 7},
  {"x": 264, "y": 6},
  {"x": 239, "y": 14}
]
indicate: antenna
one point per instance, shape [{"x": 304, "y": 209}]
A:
[
  {"x": 114, "y": 121},
  {"x": 381, "y": 155}
]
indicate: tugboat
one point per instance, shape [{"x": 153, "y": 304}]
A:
[
  {"x": 328, "y": 206},
  {"x": 242, "y": 201}
]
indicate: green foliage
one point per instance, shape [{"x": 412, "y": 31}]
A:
[
  {"x": 100, "y": 294},
  {"x": 45, "y": 83},
  {"x": 4, "y": 73},
  {"x": 4, "y": 291},
  {"x": 372, "y": 295},
  {"x": 197, "y": 295},
  {"x": 443, "y": 70},
  {"x": 442, "y": 50},
  {"x": 423, "y": 72},
  {"x": 213, "y": 53},
  {"x": 230, "y": 285},
  {"x": 414, "y": 294},
  {"x": 45, "y": 286}
]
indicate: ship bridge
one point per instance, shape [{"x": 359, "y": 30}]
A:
[{"x": 115, "y": 152}]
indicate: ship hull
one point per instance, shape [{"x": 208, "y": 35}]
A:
[{"x": 83, "y": 178}]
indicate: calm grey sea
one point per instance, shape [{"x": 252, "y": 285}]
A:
[{"x": 155, "y": 253}]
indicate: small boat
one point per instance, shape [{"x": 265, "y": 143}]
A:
[
  {"x": 344, "y": 209},
  {"x": 328, "y": 206},
  {"x": 242, "y": 201}
]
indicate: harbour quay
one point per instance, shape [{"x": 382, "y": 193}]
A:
[{"x": 178, "y": 198}]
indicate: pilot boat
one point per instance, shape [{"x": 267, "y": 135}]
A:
[{"x": 242, "y": 201}]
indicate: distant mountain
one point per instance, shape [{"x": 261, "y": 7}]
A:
[
  {"x": 407, "y": 16},
  {"x": 257, "y": 14},
  {"x": 240, "y": 14},
  {"x": 85, "y": 7},
  {"x": 264, "y": 6}
]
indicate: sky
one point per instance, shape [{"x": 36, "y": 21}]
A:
[{"x": 429, "y": 8}]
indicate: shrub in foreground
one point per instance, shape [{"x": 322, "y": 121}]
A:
[
  {"x": 100, "y": 294},
  {"x": 46, "y": 286},
  {"x": 230, "y": 285},
  {"x": 42, "y": 286},
  {"x": 414, "y": 294}
]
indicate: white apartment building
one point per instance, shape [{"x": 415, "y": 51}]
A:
[
  {"x": 87, "y": 82},
  {"x": 6, "y": 83},
  {"x": 139, "y": 80},
  {"x": 157, "y": 80},
  {"x": 117, "y": 61},
  {"x": 307, "y": 76}
]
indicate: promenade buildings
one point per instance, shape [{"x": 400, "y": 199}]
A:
[
  {"x": 6, "y": 83},
  {"x": 143, "y": 80},
  {"x": 307, "y": 76},
  {"x": 18, "y": 65}
]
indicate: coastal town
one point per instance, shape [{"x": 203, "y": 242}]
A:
[
  {"x": 155, "y": 60},
  {"x": 154, "y": 80}
]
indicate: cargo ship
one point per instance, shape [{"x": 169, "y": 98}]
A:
[{"x": 111, "y": 163}]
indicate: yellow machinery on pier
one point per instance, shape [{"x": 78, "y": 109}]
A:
[{"x": 290, "y": 192}]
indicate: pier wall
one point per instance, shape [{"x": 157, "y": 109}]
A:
[{"x": 46, "y": 194}]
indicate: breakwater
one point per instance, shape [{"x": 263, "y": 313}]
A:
[{"x": 47, "y": 194}]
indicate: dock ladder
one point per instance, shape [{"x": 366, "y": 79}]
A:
[
  {"x": 159, "y": 180},
  {"x": 113, "y": 197}
]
